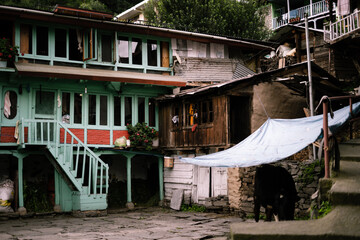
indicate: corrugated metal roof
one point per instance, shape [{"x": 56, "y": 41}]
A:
[{"x": 242, "y": 71}]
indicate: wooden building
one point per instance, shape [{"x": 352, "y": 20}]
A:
[
  {"x": 212, "y": 118},
  {"x": 79, "y": 79}
]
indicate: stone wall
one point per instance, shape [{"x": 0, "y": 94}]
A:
[{"x": 305, "y": 174}]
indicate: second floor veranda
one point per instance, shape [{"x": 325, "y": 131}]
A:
[{"x": 313, "y": 10}]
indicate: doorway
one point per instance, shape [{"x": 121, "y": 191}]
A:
[{"x": 239, "y": 117}]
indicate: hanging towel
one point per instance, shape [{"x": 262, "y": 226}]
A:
[
  {"x": 343, "y": 7},
  {"x": 16, "y": 133},
  {"x": 7, "y": 105}
]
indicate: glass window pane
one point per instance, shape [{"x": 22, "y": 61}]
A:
[
  {"x": 136, "y": 51},
  {"x": 152, "y": 52},
  {"x": 152, "y": 113},
  {"x": 117, "y": 111},
  {"x": 141, "y": 109},
  {"x": 65, "y": 107},
  {"x": 78, "y": 108},
  {"x": 128, "y": 110},
  {"x": 26, "y": 38},
  {"x": 60, "y": 43},
  {"x": 123, "y": 46},
  {"x": 42, "y": 42},
  {"x": 103, "y": 110},
  {"x": 75, "y": 42},
  {"x": 92, "y": 110},
  {"x": 106, "y": 48},
  {"x": 10, "y": 104},
  {"x": 45, "y": 102}
]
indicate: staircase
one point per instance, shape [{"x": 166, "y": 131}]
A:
[{"x": 85, "y": 173}]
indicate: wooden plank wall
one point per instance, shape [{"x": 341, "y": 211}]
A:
[{"x": 214, "y": 134}]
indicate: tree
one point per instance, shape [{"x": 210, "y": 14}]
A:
[{"x": 244, "y": 19}]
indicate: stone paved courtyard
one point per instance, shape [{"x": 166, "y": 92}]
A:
[{"x": 150, "y": 223}]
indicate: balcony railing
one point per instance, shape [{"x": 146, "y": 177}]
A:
[
  {"x": 298, "y": 14},
  {"x": 342, "y": 27}
]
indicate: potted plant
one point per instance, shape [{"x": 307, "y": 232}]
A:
[
  {"x": 7, "y": 52},
  {"x": 141, "y": 135}
]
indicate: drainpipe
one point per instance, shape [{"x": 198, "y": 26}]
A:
[{"x": 309, "y": 73}]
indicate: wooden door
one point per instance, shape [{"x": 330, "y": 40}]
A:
[
  {"x": 219, "y": 181},
  {"x": 203, "y": 190}
]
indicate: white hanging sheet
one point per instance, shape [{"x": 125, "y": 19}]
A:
[{"x": 275, "y": 140}]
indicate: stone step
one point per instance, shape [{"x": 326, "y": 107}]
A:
[
  {"x": 346, "y": 187},
  {"x": 350, "y": 150}
]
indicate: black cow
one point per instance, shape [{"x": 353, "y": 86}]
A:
[{"x": 275, "y": 191}]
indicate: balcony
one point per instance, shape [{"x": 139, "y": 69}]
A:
[{"x": 298, "y": 15}]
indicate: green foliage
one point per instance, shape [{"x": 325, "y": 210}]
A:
[
  {"x": 308, "y": 172},
  {"x": 245, "y": 19},
  {"x": 36, "y": 198},
  {"x": 141, "y": 135},
  {"x": 7, "y": 51},
  {"x": 94, "y": 5},
  {"x": 192, "y": 208},
  {"x": 324, "y": 209}
]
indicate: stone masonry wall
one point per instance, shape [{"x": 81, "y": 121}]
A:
[{"x": 241, "y": 185}]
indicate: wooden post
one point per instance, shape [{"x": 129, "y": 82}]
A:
[
  {"x": 161, "y": 178},
  {"x": 326, "y": 137},
  {"x": 22, "y": 209},
  {"x": 129, "y": 203}
]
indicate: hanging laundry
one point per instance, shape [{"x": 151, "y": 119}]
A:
[{"x": 7, "y": 105}]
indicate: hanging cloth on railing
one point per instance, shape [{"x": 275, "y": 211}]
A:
[
  {"x": 343, "y": 7},
  {"x": 275, "y": 140}
]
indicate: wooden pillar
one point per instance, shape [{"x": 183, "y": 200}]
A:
[
  {"x": 22, "y": 209},
  {"x": 129, "y": 203},
  {"x": 161, "y": 179}
]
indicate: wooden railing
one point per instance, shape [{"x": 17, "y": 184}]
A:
[
  {"x": 298, "y": 14},
  {"x": 87, "y": 171},
  {"x": 342, "y": 27}
]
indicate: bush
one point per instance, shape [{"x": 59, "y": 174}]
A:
[{"x": 141, "y": 135}]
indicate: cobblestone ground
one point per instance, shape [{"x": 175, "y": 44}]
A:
[{"x": 150, "y": 223}]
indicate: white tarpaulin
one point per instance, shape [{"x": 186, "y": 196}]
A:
[{"x": 276, "y": 139}]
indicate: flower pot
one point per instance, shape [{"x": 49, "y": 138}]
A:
[
  {"x": 155, "y": 142},
  {"x": 3, "y": 63}
]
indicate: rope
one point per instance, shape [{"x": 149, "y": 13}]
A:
[{"x": 261, "y": 104}]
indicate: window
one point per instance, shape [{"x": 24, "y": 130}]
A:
[
  {"x": 128, "y": 110},
  {"x": 75, "y": 45},
  {"x": 65, "y": 107},
  {"x": 60, "y": 43},
  {"x": 136, "y": 51},
  {"x": 207, "y": 112},
  {"x": 123, "y": 48},
  {"x": 191, "y": 113},
  {"x": 26, "y": 39},
  {"x": 106, "y": 48},
  {"x": 141, "y": 109},
  {"x": 117, "y": 111},
  {"x": 103, "y": 110},
  {"x": 44, "y": 103},
  {"x": 92, "y": 110},
  {"x": 42, "y": 41},
  {"x": 152, "y": 113},
  {"x": 78, "y": 108},
  {"x": 152, "y": 52},
  {"x": 10, "y": 104}
]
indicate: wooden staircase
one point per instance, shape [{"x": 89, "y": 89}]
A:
[{"x": 85, "y": 173}]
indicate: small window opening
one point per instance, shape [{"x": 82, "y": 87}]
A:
[
  {"x": 42, "y": 41},
  {"x": 123, "y": 46},
  {"x": 152, "y": 52},
  {"x": 103, "y": 110},
  {"x": 152, "y": 113},
  {"x": 106, "y": 48},
  {"x": 26, "y": 39},
  {"x": 128, "y": 110},
  {"x": 75, "y": 45},
  {"x": 92, "y": 110},
  {"x": 60, "y": 43},
  {"x": 65, "y": 107},
  {"x": 136, "y": 51},
  {"x": 141, "y": 109},
  {"x": 117, "y": 111},
  {"x": 78, "y": 108}
]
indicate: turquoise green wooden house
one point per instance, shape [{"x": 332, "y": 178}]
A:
[{"x": 79, "y": 79}]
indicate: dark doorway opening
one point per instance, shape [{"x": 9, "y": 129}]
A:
[{"x": 239, "y": 115}]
